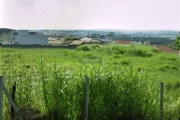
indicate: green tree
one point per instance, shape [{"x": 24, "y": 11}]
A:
[
  {"x": 178, "y": 42},
  {"x": 111, "y": 35},
  {"x": 178, "y": 45}
]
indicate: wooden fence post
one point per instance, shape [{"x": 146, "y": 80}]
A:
[
  {"x": 12, "y": 102},
  {"x": 13, "y": 98},
  {"x": 86, "y": 97},
  {"x": 1, "y": 97},
  {"x": 161, "y": 100}
]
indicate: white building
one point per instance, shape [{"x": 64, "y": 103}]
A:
[
  {"x": 24, "y": 38},
  {"x": 105, "y": 41}
]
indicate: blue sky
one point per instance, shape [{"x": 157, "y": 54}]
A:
[{"x": 90, "y": 14}]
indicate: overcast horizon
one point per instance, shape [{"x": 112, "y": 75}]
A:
[{"x": 90, "y": 14}]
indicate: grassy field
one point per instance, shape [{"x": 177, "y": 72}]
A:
[{"x": 124, "y": 81}]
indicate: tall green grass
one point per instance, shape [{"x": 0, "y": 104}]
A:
[
  {"x": 133, "y": 50},
  {"x": 54, "y": 82},
  {"x": 59, "y": 91}
]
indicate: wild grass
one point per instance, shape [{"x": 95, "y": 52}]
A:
[{"x": 124, "y": 81}]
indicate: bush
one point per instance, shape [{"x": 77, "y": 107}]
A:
[
  {"x": 95, "y": 46},
  {"x": 83, "y": 48},
  {"x": 141, "y": 51}
]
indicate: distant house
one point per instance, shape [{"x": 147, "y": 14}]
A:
[
  {"x": 86, "y": 39},
  {"x": 166, "y": 49},
  {"x": 55, "y": 42},
  {"x": 136, "y": 43},
  {"x": 146, "y": 43},
  {"x": 106, "y": 41},
  {"x": 124, "y": 42},
  {"x": 96, "y": 42},
  {"x": 76, "y": 43}
]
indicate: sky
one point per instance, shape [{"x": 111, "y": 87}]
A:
[{"x": 90, "y": 14}]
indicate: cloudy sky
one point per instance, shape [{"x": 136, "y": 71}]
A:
[{"x": 90, "y": 14}]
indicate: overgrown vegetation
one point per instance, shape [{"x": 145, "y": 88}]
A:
[{"x": 123, "y": 81}]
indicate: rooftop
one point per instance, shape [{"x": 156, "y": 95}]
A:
[
  {"x": 124, "y": 42},
  {"x": 76, "y": 42}
]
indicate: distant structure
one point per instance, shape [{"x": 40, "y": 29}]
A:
[
  {"x": 146, "y": 43},
  {"x": 24, "y": 37},
  {"x": 124, "y": 42},
  {"x": 46, "y": 32},
  {"x": 7, "y": 38},
  {"x": 86, "y": 39}
]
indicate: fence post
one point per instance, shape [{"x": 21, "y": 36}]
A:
[
  {"x": 12, "y": 102},
  {"x": 161, "y": 100},
  {"x": 13, "y": 98},
  {"x": 1, "y": 97},
  {"x": 86, "y": 97}
]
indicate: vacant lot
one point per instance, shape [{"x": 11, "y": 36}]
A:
[{"x": 123, "y": 81}]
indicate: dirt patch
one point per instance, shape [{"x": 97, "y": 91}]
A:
[{"x": 166, "y": 49}]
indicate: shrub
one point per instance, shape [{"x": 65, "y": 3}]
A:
[
  {"x": 141, "y": 52},
  {"x": 95, "y": 46},
  {"x": 83, "y": 48}
]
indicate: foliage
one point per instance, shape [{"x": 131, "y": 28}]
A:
[
  {"x": 71, "y": 38},
  {"x": 6, "y": 30},
  {"x": 111, "y": 35},
  {"x": 178, "y": 43},
  {"x": 83, "y": 48}
]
